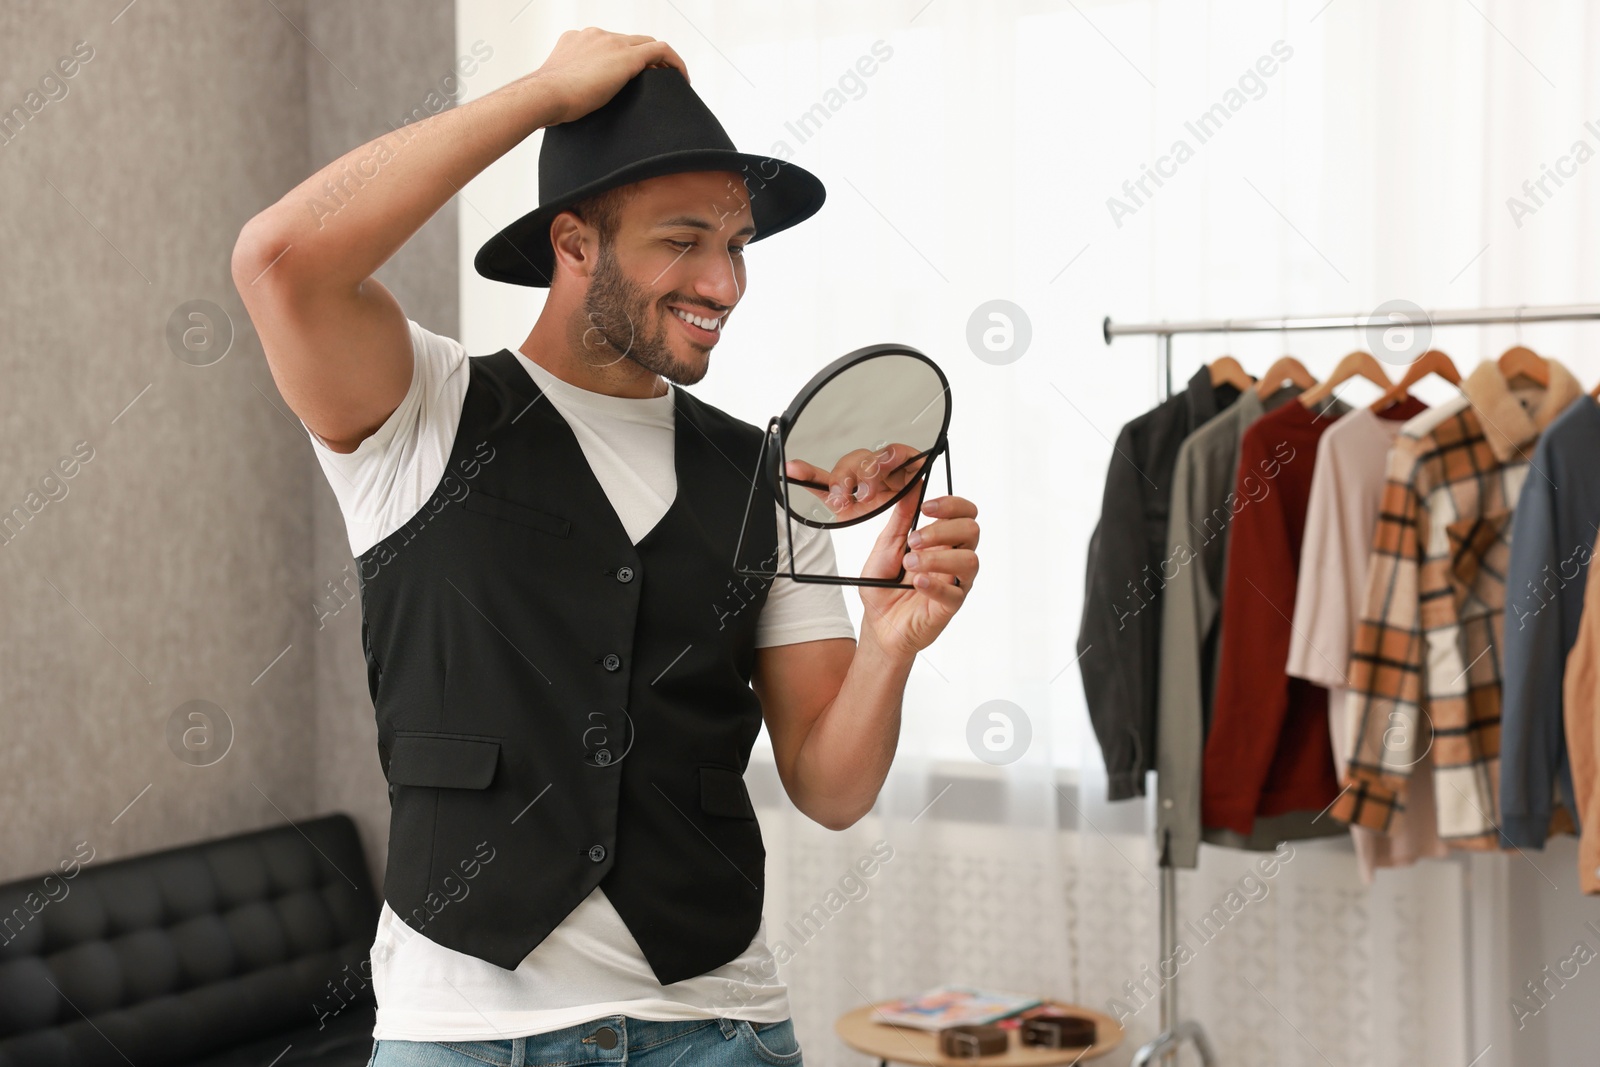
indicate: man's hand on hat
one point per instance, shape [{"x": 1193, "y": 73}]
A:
[
  {"x": 942, "y": 565},
  {"x": 588, "y": 66}
]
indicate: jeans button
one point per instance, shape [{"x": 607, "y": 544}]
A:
[{"x": 605, "y": 1037}]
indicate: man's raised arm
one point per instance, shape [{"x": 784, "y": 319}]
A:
[{"x": 335, "y": 338}]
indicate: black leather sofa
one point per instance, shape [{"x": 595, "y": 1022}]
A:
[{"x": 243, "y": 951}]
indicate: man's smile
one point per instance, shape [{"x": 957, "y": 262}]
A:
[{"x": 702, "y": 329}]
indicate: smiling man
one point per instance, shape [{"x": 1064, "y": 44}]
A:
[
  {"x": 669, "y": 227},
  {"x": 565, "y": 699}
]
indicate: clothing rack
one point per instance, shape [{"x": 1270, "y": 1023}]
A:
[
  {"x": 1174, "y": 1031},
  {"x": 1164, "y": 331}
]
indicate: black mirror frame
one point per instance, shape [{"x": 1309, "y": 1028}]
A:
[{"x": 774, "y": 470}]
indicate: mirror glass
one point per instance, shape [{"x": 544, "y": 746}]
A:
[{"x": 861, "y": 439}]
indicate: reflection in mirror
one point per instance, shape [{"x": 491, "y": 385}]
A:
[
  {"x": 858, "y": 484},
  {"x": 863, "y": 438}
]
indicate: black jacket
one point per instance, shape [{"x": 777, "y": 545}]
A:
[
  {"x": 560, "y": 708},
  {"x": 1119, "y": 636}
]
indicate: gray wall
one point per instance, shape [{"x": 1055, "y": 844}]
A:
[{"x": 186, "y": 557}]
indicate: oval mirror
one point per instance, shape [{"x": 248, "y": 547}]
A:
[{"x": 860, "y": 435}]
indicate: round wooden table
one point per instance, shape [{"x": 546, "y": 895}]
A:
[{"x": 906, "y": 1044}]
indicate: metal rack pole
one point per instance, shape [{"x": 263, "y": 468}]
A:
[
  {"x": 1473, "y": 317},
  {"x": 1170, "y": 1014},
  {"x": 1175, "y": 1031}
]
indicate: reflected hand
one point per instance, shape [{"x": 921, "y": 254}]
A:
[{"x": 862, "y": 479}]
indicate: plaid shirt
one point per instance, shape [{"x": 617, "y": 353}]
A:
[{"x": 1425, "y": 666}]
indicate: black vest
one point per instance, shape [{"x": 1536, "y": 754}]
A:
[{"x": 560, "y": 708}]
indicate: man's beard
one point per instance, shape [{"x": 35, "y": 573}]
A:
[{"x": 619, "y": 318}]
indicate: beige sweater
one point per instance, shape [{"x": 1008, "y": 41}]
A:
[{"x": 1581, "y": 693}]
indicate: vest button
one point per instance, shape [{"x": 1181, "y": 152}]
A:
[
  {"x": 612, "y": 661},
  {"x": 624, "y": 574},
  {"x": 597, "y": 852},
  {"x": 602, "y": 756}
]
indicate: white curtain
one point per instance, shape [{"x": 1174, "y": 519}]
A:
[{"x": 972, "y": 153}]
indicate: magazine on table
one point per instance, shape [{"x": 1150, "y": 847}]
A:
[{"x": 951, "y": 1005}]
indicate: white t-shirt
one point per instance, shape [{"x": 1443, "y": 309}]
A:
[{"x": 589, "y": 966}]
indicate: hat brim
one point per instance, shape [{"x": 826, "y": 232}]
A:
[{"x": 781, "y": 195}]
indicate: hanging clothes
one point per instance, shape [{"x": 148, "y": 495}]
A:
[
  {"x": 1203, "y": 500},
  {"x": 1581, "y": 713},
  {"x": 1346, "y": 486},
  {"x": 1267, "y": 751},
  {"x": 1426, "y": 665},
  {"x": 1120, "y": 632},
  {"x": 1552, "y": 531}
]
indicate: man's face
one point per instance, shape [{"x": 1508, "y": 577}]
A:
[{"x": 678, "y": 250}]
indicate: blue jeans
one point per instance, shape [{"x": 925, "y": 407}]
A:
[{"x": 634, "y": 1042}]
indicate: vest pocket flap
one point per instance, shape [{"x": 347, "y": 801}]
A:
[
  {"x": 439, "y": 760},
  {"x": 501, "y": 508},
  {"x": 722, "y": 792}
]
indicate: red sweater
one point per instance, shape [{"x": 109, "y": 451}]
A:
[{"x": 1268, "y": 749}]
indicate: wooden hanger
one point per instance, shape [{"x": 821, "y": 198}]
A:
[
  {"x": 1283, "y": 367},
  {"x": 1432, "y": 361},
  {"x": 1518, "y": 361},
  {"x": 1227, "y": 369},
  {"x": 1359, "y": 363}
]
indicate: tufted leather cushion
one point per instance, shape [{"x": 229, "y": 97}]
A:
[{"x": 223, "y": 953}]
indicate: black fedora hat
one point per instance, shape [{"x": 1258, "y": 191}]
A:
[{"x": 655, "y": 125}]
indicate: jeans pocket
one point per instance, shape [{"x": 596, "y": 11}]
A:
[
  {"x": 773, "y": 1043},
  {"x": 496, "y": 1052}
]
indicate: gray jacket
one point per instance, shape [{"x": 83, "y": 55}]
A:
[
  {"x": 1197, "y": 547},
  {"x": 1552, "y": 538}
]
